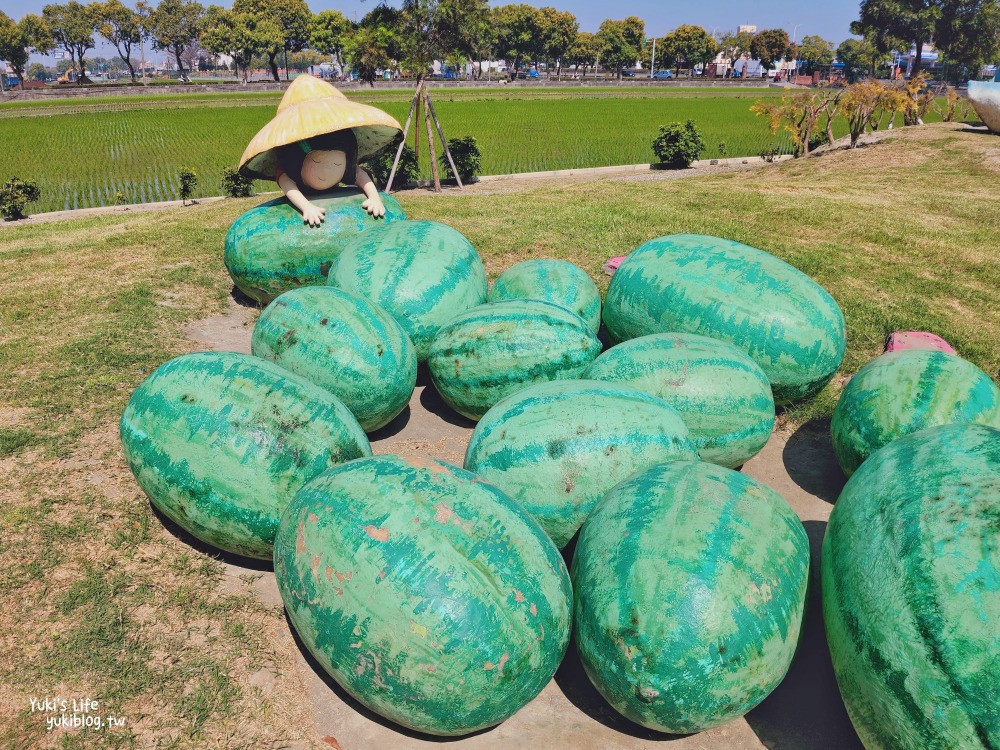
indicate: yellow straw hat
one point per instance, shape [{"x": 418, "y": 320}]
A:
[{"x": 312, "y": 107}]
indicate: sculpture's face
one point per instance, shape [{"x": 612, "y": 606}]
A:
[{"x": 323, "y": 169}]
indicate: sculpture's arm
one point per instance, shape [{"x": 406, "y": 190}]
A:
[
  {"x": 312, "y": 214},
  {"x": 373, "y": 204}
]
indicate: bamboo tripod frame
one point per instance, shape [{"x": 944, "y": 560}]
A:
[{"x": 422, "y": 95}]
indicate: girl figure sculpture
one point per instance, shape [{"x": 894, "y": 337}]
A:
[
  {"x": 319, "y": 164},
  {"x": 315, "y": 142}
]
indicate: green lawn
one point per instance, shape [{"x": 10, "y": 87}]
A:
[
  {"x": 84, "y": 153},
  {"x": 100, "y": 600}
]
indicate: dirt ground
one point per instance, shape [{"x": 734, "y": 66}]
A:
[{"x": 804, "y": 713}]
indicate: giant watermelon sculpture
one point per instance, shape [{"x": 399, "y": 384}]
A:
[
  {"x": 422, "y": 272},
  {"x": 269, "y": 249},
  {"x": 722, "y": 395},
  {"x": 690, "y": 583},
  {"x": 985, "y": 99},
  {"x": 491, "y": 351},
  {"x": 906, "y": 391},
  {"x": 556, "y": 448},
  {"x": 687, "y": 283},
  {"x": 428, "y": 595},
  {"x": 911, "y": 592},
  {"x": 555, "y": 281},
  {"x": 220, "y": 443},
  {"x": 344, "y": 343}
]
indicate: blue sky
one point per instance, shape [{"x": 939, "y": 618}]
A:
[{"x": 830, "y": 20}]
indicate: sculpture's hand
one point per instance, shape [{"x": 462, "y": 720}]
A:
[
  {"x": 313, "y": 215},
  {"x": 374, "y": 207}
]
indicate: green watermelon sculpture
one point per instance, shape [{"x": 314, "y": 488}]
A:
[
  {"x": 555, "y": 281},
  {"x": 687, "y": 283},
  {"x": 556, "y": 448},
  {"x": 220, "y": 443},
  {"x": 270, "y": 250},
  {"x": 430, "y": 596},
  {"x": 491, "y": 351},
  {"x": 911, "y": 591},
  {"x": 690, "y": 583},
  {"x": 722, "y": 395},
  {"x": 343, "y": 343},
  {"x": 906, "y": 391},
  {"x": 422, "y": 272}
]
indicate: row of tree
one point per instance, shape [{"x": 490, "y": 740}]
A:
[{"x": 422, "y": 31}]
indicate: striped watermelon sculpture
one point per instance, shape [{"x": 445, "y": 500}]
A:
[
  {"x": 555, "y": 281},
  {"x": 911, "y": 592},
  {"x": 556, "y": 448},
  {"x": 491, "y": 351},
  {"x": 270, "y": 250},
  {"x": 423, "y": 273},
  {"x": 343, "y": 343},
  {"x": 430, "y": 596},
  {"x": 906, "y": 391},
  {"x": 690, "y": 583},
  {"x": 722, "y": 395},
  {"x": 688, "y": 283},
  {"x": 220, "y": 443}
]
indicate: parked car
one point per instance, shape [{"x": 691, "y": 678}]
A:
[
  {"x": 628, "y": 74},
  {"x": 663, "y": 75}
]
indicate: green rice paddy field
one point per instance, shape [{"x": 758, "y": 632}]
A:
[{"x": 82, "y": 153}]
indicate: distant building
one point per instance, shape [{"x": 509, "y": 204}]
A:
[{"x": 747, "y": 29}]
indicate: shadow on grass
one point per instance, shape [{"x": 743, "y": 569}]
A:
[
  {"x": 806, "y": 710},
  {"x": 811, "y": 463},
  {"x": 229, "y": 558},
  {"x": 359, "y": 707}
]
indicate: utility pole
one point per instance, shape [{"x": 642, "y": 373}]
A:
[{"x": 652, "y": 60}]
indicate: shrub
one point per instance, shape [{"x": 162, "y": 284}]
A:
[
  {"x": 236, "y": 184},
  {"x": 120, "y": 199},
  {"x": 770, "y": 153},
  {"x": 678, "y": 145},
  {"x": 15, "y": 195},
  {"x": 189, "y": 181},
  {"x": 380, "y": 165},
  {"x": 723, "y": 150},
  {"x": 468, "y": 159}
]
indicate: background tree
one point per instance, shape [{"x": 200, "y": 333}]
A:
[
  {"x": 173, "y": 25},
  {"x": 860, "y": 58},
  {"x": 72, "y": 26},
  {"x": 376, "y": 44},
  {"x": 770, "y": 46},
  {"x": 734, "y": 45},
  {"x": 37, "y": 72},
  {"x": 294, "y": 19},
  {"x": 686, "y": 46},
  {"x": 519, "y": 33},
  {"x": 585, "y": 51},
  {"x": 241, "y": 36},
  {"x": 815, "y": 52},
  {"x": 11, "y": 48},
  {"x": 897, "y": 24},
  {"x": 121, "y": 26},
  {"x": 559, "y": 30},
  {"x": 328, "y": 32},
  {"x": 967, "y": 32},
  {"x": 621, "y": 42},
  {"x": 482, "y": 37}
]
